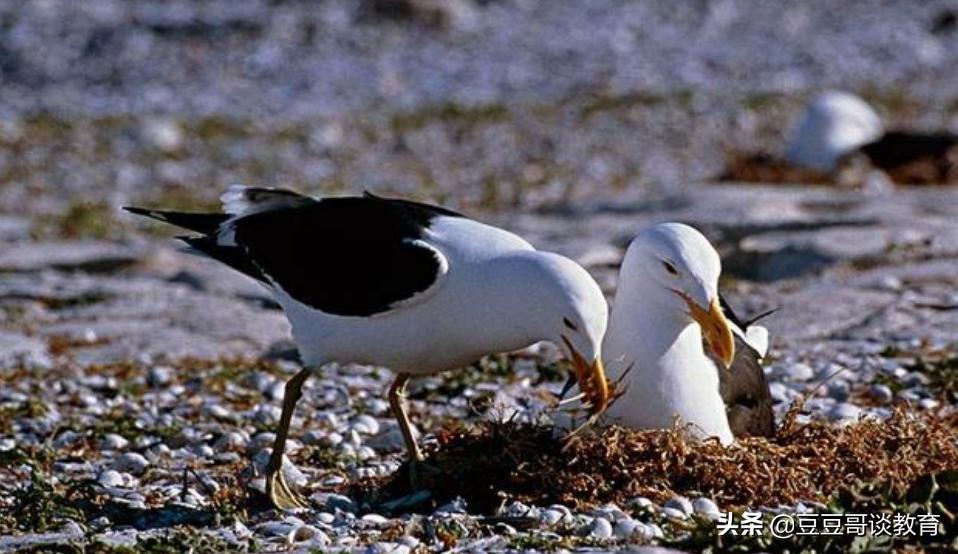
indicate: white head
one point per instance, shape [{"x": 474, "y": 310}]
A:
[
  {"x": 567, "y": 307},
  {"x": 833, "y": 124},
  {"x": 672, "y": 270}
]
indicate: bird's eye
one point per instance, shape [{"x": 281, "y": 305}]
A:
[{"x": 670, "y": 268}]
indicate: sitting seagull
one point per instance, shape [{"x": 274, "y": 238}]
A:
[
  {"x": 667, "y": 298},
  {"x": 416, "y": 288},
  {"x": 838, "y": 129},
  {"x": 833, "y": 125}
]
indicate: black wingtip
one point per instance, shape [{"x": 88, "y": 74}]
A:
[
  {"x": 152, "y": 214},
  {"x": 755, "y": 319}
]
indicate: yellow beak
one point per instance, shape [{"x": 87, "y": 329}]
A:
[
  {"x": 592, "y": 381},
  {"x": 716, "y": 330}
]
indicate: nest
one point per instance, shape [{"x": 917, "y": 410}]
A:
[{"x": 500, "y": 462}]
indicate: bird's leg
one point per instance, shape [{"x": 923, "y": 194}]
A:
[
  {"x": 279, "y": 493},
  {"x": 397, "y": 400}
]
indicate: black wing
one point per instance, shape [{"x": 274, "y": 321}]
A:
[
  {"x": 352, "y": 256},
  {"x": 744, "y": 388}
]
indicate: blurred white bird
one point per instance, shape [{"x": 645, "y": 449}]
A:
[{"x": 833, "y": 125}]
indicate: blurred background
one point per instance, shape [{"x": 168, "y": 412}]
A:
[{"x": 478, "y": 104}]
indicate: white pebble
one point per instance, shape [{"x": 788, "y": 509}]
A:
[
  {"x": 800, "y": 372},
  {"x": 232, "y": 440},
  {"x": 600, "y": 528},
  {"x": 112, "y": 441},
  {"x": 626, "y": 527},
  {"x": 845, "y": 411},
  {"x": 365, "y": 424},
  {"x": 375, "y": 520},
  {"x": 551, "y": 517},
  {"x": 681, "y": 504},
  {"x": 110, "y": 478},
  {"x": 160, "y": 376},
  {"x": 928, "y": 403},
  {"x": 881, "y": 393},
  {"x": 674, "y": 513},
  {"x": 131, "y": 462},
  {"x": 307, "y": 533}
]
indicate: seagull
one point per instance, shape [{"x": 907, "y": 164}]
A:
[
  {"x": 417, "y": 288},
  {"x": 667, "y": 299},
  {"x": 838, "y": 129},
  {"x": 833, "y": 125}
]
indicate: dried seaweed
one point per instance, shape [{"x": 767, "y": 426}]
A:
[{"x": 498, "y": 462}]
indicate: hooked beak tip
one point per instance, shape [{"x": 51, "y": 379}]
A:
[
  {"x": 592, "y": 382},
  {"x": 717, "y": 331}
]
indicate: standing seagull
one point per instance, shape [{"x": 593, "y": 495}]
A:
[
  {"x": 667, "y": 298},
  {"x": 416, "y": 288}
]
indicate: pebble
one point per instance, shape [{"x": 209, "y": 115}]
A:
[
  {"x": 641, "y": 503},
  {"x": 551, "y": 517},
  {"x": 365, "y": 424},
  {"x": 232, "y": 440},
  {"x": 600, "y": 528},
  {"x": 928, "y": 403},
  {"x": 131, "y": 462},
  {"x": 845, "y": 411},
  {"x": 705, "y": 506},
  {"x": 681, "y": 504},
  {"x": 674, "y": 513},
  {"x": 342, "y": 502},
  {"x": 276, "y": 391},
  {"x": 308, "y": 533},
  {"x": 267, "y": 414},
  {"x": 219, "y": 411},
  {"x": 388, "y": 548},
  {"x": 375, "y": 520},
  {"x": 839, "y": 390},
  {"x": 159, "y": 376},
  {"x": 800, "y": 372},
  {"x": 626, "y": 528},
  {"x": 881, "y": 394},
  {"x": 780, "y": 392},
  {"x": 111, "y": 478},
  {"x": 281, "y": 528}
]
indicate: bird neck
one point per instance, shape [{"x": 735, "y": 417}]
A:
[
  {"x": 651, "y": 330},
  {"x": 669, "y": 374}
]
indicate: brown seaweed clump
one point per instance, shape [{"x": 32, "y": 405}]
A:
[{"x": 500, "y": 462}]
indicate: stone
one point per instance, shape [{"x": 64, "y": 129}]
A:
[
  {"x": 159, "y": 376},
  {"x": 845, "y": 411},
  {"x": 626, "y": 528},
  {"x": 705, "y": 506},
  {"x": 681, "y": 504},
  {"x": 600, "y": 529},
  {"x": 551, "y": 517},
  {"x": 112, "y": 441},
  {"x": 110, "y": 478},
  {"x": 800, "y": 372},
  {"x": 882, "y": 394},
  {"x": 131, "y": 462},
  {"x": 333, "y": 502},
  {"x": 365, "y": 425}
]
